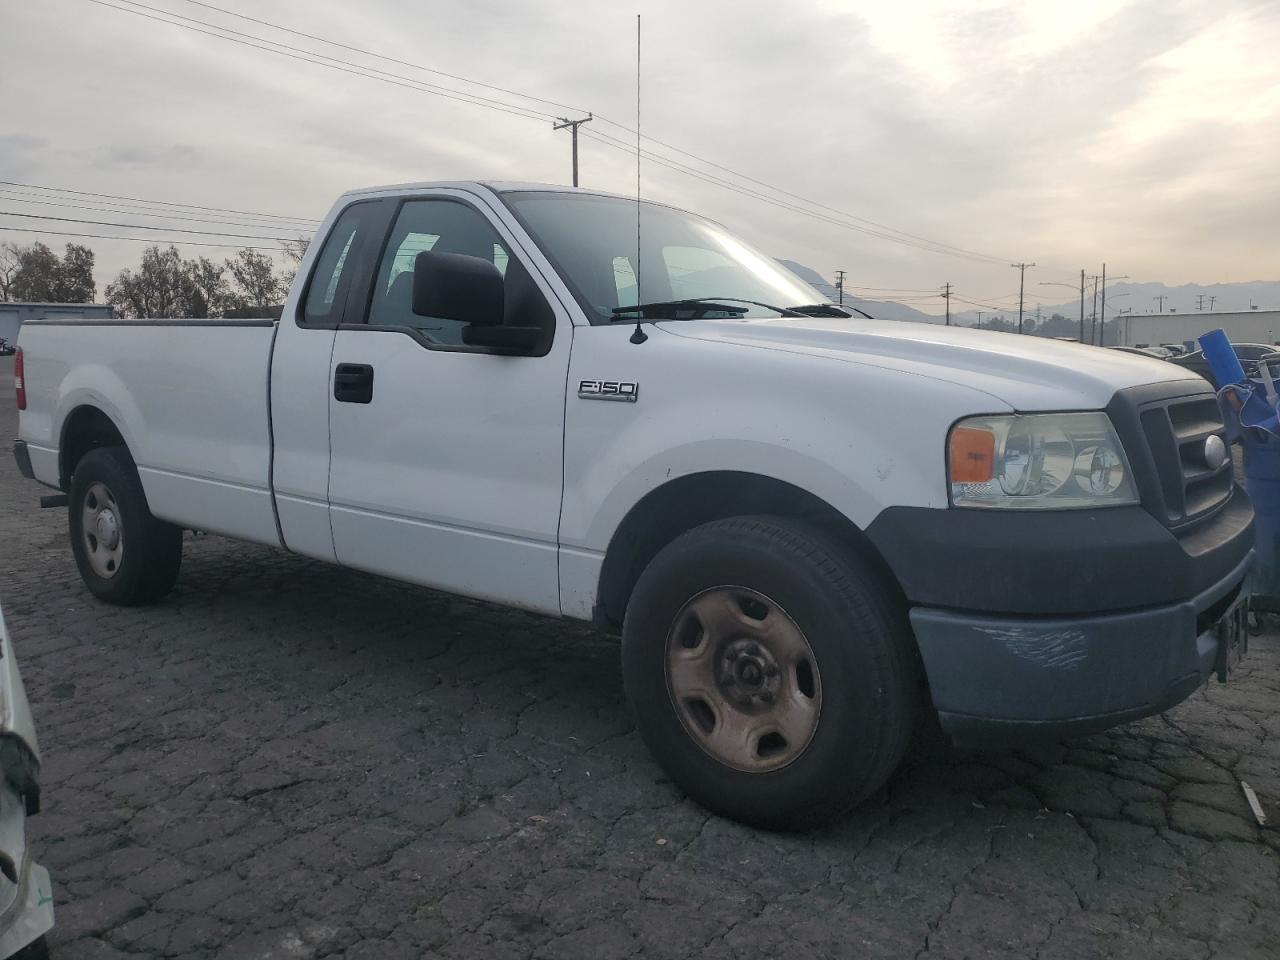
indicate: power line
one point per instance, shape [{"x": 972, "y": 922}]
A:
[
  {"x": 754, "y": 194},
  {"x": 143, "y": 226},
  {"x": 166, "y": 203},
  {"x": 336, "y": 64},
  {"x": 140, "y": 211},
  {"x": 526, "y": 96},
  {"x": 895, "y": 235},
  {"x": 153, "y": 240},
  {"x": 384, "y": 57}
]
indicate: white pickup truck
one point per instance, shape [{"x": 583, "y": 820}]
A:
[{"x": 809, "y": 528}]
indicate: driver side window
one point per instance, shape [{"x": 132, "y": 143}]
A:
[{"x": 440, "y": 226}]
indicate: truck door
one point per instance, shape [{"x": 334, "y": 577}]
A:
[
  {"x": 301, "y": 379},
  {"x": 446, "y": 464}
]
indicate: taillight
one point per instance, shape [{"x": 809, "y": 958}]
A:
[{"x": 19, "y": 382}]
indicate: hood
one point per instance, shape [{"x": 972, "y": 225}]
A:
[{"x": 1025, "y": 372}]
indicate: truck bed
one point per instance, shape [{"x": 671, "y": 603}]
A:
[{"x": 190, "y": 398}]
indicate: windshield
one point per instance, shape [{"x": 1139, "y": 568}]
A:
[{"x": 591, "y": 241}]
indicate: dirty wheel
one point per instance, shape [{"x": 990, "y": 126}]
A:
[
  {"x": 743, "y": 679},
  {"x": 771, "y": 672},
  {"x": 125, "y": 555}
]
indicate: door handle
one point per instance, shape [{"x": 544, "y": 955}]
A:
[{"x": 353, "y": 383}]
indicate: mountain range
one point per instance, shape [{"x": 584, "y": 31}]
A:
[{"x": 1122, "y": 295}]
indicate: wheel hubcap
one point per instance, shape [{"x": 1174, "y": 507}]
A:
[
  {"x": 743, "y": 679},
  {"x": 100, "y": 528}
]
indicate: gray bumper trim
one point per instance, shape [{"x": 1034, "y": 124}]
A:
[{"x": 996, "y": 679}]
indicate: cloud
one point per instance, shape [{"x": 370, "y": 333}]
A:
[{"x": 1142, "y": 133}]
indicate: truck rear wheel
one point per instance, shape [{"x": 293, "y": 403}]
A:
[
  {"x": 770, "y": 672},
  {"x": 125, "y": 555}
]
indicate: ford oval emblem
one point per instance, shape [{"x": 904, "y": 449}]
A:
[{"x": 1215, "y": 452}]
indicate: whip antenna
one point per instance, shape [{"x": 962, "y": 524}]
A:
[{"x": 639, "y": 336}]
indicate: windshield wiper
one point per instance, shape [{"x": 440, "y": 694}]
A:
[
  {"x": 695, "y": 307},
  {"x": 828, "y": 310}
]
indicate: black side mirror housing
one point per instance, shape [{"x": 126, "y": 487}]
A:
[
  {"x": 453, "y": 286},
  {"x": 520, "y": 340}
]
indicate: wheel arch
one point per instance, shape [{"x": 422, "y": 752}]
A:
[
  {"x": 85, "y": 428},
  {"x": 689, "y": 501}
]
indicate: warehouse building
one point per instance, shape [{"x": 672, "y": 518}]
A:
[
  {"x": 1242, "y": 326},
  {"x": 14, "y": 315}
]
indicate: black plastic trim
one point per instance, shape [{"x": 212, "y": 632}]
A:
[
  {"x": 23, "y": 456},
  {"x": 175, "y": 322},
  {"x": 357, "y": 274},
  {"x": 1053, "y": 563}
]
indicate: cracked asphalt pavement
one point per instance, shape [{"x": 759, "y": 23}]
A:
[{"x": 290, "y": 760}]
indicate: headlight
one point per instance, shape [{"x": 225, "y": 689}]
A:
[{"x": 1045, "y": 461}]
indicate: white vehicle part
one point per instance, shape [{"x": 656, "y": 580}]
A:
[
  {"x": 26, "y": 901},
  {"x": 189, "y": 401},
  {"x": 858, "y": 437}
]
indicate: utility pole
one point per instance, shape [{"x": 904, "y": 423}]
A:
[
  {"x": 1022, "y": 277},
  {"x": 1211, "y": 301},
  {"x": 840, "y": 285},
  {"x": 979, "y": 319},
  {"x": 1160, "y": 299},
  {"x": 946, "y": 295},
  {"x": 1199, "y": 302},
  {"x": 572, "y": 126},
  {"x": 1082, "y": 305},
  {"x": 1093, "y": 314},
  {"x": 1102, "y": 326}
]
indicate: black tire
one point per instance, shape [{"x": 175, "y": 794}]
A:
[
  {"x": 150, "y": 549},
  {"x": 859, "y": 639}
]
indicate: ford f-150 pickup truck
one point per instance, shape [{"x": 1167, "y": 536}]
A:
[{"x": 809, "y": 528}]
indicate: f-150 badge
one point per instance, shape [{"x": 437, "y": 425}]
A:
[{"x": 627, "y": 391}]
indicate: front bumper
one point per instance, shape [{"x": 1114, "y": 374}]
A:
[{"x": 1002, "y": 680}]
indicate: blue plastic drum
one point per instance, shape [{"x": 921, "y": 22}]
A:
[{"x": 1262, "y": 480}]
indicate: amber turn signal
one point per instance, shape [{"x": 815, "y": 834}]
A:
[{"x": 972, "y": 455}]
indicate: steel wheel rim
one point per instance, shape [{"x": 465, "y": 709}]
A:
[
  {"x": 102, "y": 530},
  {"x": 743, "y": 679}
]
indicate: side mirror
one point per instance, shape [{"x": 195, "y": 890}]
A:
[{"x": 453, "y": 286}]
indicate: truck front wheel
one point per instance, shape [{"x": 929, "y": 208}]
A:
[
  {"x": 769, "y": 670},
  {"x": 125, "y": 555}
]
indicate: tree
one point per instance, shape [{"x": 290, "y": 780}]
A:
[
  {"x": 9, "y": 266},
  {"x": 294, "y": 251},
  {"x": 207, "y": 295},
  {"x": 161, "y": 287},
  {"x": 257, "y": 286},
  {"x": 38, "y": 273},
  {"x": 75, "y": 276},
  {"x": 1058, "y": 326},
  {"x": 1001, "y": 325}
]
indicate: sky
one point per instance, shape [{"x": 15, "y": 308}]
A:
[{"x": 1141, "y": 134}]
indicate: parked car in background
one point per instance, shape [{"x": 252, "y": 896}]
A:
[
  {"x": 6, "y": 348},
  {"x": 1154, "y": 352},
  {"x": 26, "y": 895},
  {"x": 1249, "y": 354}
]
